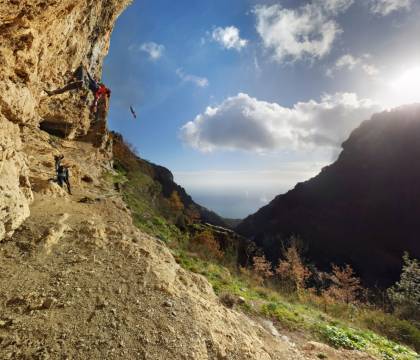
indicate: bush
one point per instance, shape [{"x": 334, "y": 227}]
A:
[
  {"x": 405, "y": 294},
  {"x": 228, "y": 300},
  {"x": 395, "y": 329},
  {"x": 208, "y": 247},
  {"x": 291, "y": 270}
]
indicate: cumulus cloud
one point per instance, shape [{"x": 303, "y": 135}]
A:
[
  {"x": 350, "y": 62},
  {"x": 245, "y": 123},
  {"x": 155, "y": 51},
  {"x": 199, "y": 81},
  {"x": 386, "y": 7},
  {"x": 229, "y": 38},
  {"x": 307, "y": 31}
]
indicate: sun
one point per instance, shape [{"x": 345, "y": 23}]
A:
[{"x": 406, "y": 87}]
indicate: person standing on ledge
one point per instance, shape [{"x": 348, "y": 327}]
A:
[{"x": 62, "y": 173}]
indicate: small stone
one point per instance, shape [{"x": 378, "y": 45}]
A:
[
  {"x": 168, "y": 303},
  {"x": 241, "y": 300},
  {"x": 48, "y": 303},
  {"x": 101, "y": 302}
]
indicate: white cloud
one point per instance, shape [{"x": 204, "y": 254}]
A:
[
  {"x": 370, "y": 69},
  {"x": 245, "y": 123},
  {"x": 386, "y": 7},
  {"x": 349, "y": 62},
  {"x": 229, "y": 38},
  {"x": 307, "y": 31},
  {"x": 199, "y": 81},
  {"x": 155, "y": 51}
]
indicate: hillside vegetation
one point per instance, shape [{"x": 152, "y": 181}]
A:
[{"x": 213, "y": 252}]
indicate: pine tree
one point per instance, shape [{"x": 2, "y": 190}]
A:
[{"x": 405, "y": 294}]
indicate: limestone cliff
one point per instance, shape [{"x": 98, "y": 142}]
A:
[{"x": 40, "y": 42}]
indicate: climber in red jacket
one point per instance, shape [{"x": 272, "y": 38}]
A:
[{"x": 102, "y": 91}]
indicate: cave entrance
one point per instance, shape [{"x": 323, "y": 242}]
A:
[{"x": 59, "y": 129}]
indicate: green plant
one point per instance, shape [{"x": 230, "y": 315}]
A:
[
  {"x": 342, "y": 338},
  {"x": 405, "y": 294}
]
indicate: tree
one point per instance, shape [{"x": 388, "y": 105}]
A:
[
  {"x": 176, "y": 202},
  {"x": 405, "y": 294},
  {"x": 345, "y": 284},
  {"x": 262, "y": 268},
  {"x": 207, "y": 244},
  {"x": 291, "y": 268}
]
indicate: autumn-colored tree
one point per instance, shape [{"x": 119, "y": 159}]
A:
[
  {"x": 175, "y": 202},
  {"x": 193, "y": 215},
  {"x": 345, "y": 284},
  {"x": 207, "y": 245},
  {"x": 291, "y": 269},
  {"x": 262, "y": 268}
]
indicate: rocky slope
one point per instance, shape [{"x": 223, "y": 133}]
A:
[
  {"x": 77, "y": 279},
  {"x": 363, "y": 209}
]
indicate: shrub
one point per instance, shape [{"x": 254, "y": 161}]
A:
[
  {"x": 342, "y": 338},
  {"x": 175, "y": 202},
  {"x": 262, "y": 268},
  {"x": 228, "y": 300},
  {"x": 207, "y": 245},
  {"x": 405, "y": 294},
  {"x": 395, "y": 329},
  {"x": 291, "y": 269},
  {"x": 345, "y": 285}
]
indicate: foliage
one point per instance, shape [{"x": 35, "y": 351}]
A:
[
  {"x": 207, "y": 245},
  {"x": 176, "y": 202},
  {"x": 392, "y": 327},
  {"x": 345, "y": 285},
  {"x": 262, "y": 268},
  {"x": 294, "y": 315},
  {"x": 291, "y": 269},
  {"x": 405, "y": 294},
  {"x": 342, "y": 338}
]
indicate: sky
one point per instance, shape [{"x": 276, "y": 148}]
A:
[{"x": 243, "y": 99}]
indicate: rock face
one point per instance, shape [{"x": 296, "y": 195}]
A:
[
  {"x": 41, "y": 42},
  {"x": 363, "y": 209},
  {"x": 15, "y": 189}
]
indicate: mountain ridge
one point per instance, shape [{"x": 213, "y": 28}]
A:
[{"x": 360, "y": 205}]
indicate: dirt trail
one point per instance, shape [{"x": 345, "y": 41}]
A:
[{"x": 78, "y": 281}]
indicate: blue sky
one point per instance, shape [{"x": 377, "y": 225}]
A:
[{"x": 242, "y": 99}]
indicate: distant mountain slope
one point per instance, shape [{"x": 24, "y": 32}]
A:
[
  {"x": 159, "y": 186},
  {"x": 364, "y": 209}
]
